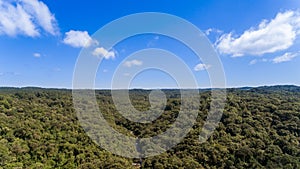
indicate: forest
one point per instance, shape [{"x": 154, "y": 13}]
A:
[{"x": 39, "y": 129}]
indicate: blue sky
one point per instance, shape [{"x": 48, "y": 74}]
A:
[{"x": 258, "y": 41}]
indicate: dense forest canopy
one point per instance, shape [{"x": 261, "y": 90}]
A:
[{"x": 259, "y": 129}]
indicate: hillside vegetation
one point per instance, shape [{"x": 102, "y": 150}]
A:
[{"x": 259, "y": 129}]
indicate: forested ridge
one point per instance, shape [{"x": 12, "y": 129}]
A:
[{"x": 259, "y": 129}]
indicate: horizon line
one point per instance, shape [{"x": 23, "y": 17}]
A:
[{"x": 162, "y": 88}]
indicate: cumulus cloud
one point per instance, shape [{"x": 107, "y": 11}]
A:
[
  {"x": 78, "y": 39},
  {"x": 101, "y": 52},
  {"x": 26, "y": 17},
  {"x": 201, "y": 66},
  {"x": 285, "y": 57},
  {"x": 37, "y": 55},
  {"x": 133, "y": 63},
  {"x": 42, "y": 15},
  {"x": 270, "y": 36}
]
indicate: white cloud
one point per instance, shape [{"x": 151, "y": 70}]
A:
[
  {"x": 252, "y": 62},
  {"x": 210, "y": 30},
  {"x": 269, "y": 37},
  {"x": 101, "y": 52},
  {"x": 37, "y": 55},
  {"x": 207, "y": 32},
  {"x": 42, "y": 15},
  {"x": 133, "y": 63},
  {"x": 26, "y": 17},
  {"x": 78, "y": 39},
  {"x": 285, "y": 57},
  {"x": 201, "y": 66}
]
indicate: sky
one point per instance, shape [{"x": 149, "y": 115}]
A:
[{"x": 258, "y": 41}]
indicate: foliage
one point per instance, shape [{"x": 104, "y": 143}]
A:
[{"x": 259, "y": 129}]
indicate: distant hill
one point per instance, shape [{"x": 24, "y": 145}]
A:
[
  {"x": 259, "y": 88},
  {"x": 279, "y": 87}
]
